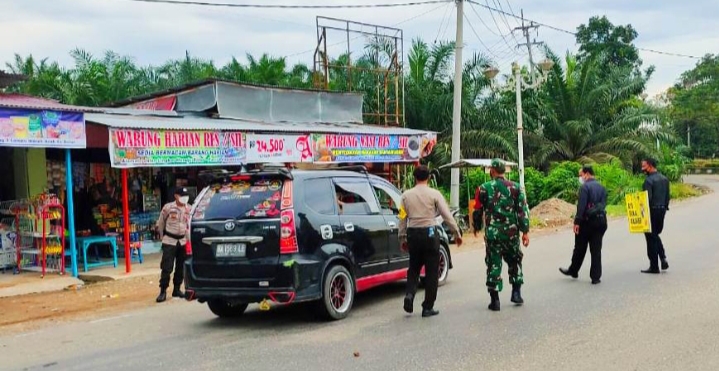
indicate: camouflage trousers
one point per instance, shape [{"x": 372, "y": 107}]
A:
[{"x": 511, "y": 252}]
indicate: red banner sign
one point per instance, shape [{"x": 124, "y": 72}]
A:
[{"x": 158, "y": 104}]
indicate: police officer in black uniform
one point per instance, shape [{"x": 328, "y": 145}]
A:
[
  {"x": 657, "y": 185},
  {"x": 590, "y": 224}
]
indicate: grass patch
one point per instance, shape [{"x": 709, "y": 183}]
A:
[
  {"x": 680, "y": 191},
  {"x": 535, "y": 223},
  {"x": 616, "y": 210}
]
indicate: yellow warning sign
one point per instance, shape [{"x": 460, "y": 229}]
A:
[
  {"x": 638, "y": 212},
  {"x": 264, "y": 305}
]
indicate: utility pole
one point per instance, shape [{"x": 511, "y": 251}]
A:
[
  {"x": 457, "y": 106},
  {"x": 517, "y": 72},
  {"x": 525, "y": 31}
]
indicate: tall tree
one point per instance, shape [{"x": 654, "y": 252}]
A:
[
  {"x": 600, "y": 36},
  {"x": 695, "y": 107}
]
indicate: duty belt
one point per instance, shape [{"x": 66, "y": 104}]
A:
[{"x": 175, "y": 236}]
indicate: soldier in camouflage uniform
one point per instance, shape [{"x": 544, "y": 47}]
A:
[{"x": 505, "y": 212}]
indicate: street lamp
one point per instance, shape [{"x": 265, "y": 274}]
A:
[{"x": 517, "y": 83}]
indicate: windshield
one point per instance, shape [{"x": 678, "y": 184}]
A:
[{"x": 258, "y": 198}]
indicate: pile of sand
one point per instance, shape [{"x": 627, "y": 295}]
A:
[{"x": 553, "y": 212}]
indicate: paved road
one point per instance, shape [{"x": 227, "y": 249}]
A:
[{"x": 630, "y": 321}]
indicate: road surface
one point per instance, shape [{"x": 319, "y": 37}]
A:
[{"x": 630, "y": 321}]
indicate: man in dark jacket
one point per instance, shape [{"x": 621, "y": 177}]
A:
[
  {"x": 590, "y": 224},
  {"x": 657, "y": 185}
]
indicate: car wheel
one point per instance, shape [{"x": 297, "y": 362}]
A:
[
  {"x": 338, "y": 292},
  {"x": 225, "y": 309},
  {"x": 443, "y": 267}
]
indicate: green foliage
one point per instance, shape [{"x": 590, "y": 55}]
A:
[
  {"x": 694, "y": 107},
  {"x": 600, "y": 36},
  {"x": 561, "y": 182},
  {"x": 673, "y": 164},
  {"x": 534, "y": 183}
]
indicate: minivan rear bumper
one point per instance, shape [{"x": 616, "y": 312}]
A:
[{"x": 285, "y": 288}]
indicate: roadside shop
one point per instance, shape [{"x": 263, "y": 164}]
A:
[{"x": 37, "y": 229}]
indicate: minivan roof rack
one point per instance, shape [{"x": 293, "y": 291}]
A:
[
  {"x": 214, "y": 175},
  {"x": 357, "y": 168},
  {"x": 283, "y": 171}
]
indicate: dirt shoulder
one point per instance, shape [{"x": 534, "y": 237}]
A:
[{"x": 22, "y": 313}]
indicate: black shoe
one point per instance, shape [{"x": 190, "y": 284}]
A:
[
  {"x": 494, "y": 304},
  {"x": 429, "y": 312},
  {"x": 177, "y": 293},
  {"x": 408, "y": 304},
  {"x": 651, "y": 271},
  {"x": 665, "y": 265},
  {"x": 594, "y": 282},
  {"x": 566, "y": 272},
  {"x": 162, "y": 297},
  {"x": 517, "y": 295}
]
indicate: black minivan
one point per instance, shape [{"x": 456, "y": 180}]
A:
[{"x": 290, "y": 236}]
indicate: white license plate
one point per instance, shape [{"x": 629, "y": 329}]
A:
[{"x": 230, "y": 250}]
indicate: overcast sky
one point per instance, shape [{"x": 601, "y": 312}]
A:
[{"x": 153, "y": 33}]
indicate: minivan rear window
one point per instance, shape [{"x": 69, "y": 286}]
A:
[{"x": 254, "y": 199}]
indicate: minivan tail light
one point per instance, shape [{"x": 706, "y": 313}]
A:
[
  {"x": 288, "y": 235},
  {"x": 188, "y": 248}
]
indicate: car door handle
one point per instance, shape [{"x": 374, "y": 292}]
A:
[
  {"x": 349, "y": 227},
  {"x": 392, "y": 225}
]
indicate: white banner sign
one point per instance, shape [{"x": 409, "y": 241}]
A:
[{"x": 278, "y": 148}]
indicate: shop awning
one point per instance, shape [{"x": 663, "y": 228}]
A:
[
  {"x": 163, "y": 140},
  {"x": 166, "y": 122},
  {"x": 483, "y": 162}
]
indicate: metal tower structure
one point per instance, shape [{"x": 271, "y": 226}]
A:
[{"x": 377, "y": 72}]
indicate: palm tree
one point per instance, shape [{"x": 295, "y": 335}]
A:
[
  {"x": 581, "y": 114},
  {"x": 485, "y": 132}
]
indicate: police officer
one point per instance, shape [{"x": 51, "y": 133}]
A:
[
  {"x": 418, "y": 234},
  {"x": 174, "y": 232},
  {"x": 657, "y": 185},
  {"x": 506, "y": 214},
  {"x": 590, "y": 224}
]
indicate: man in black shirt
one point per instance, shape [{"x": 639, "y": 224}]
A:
[
  {"x": 590, "y": 224},
  {"x": 657, "y": 185}
]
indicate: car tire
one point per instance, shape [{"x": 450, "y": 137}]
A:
[
  {"x": 224, "y": 309},
  {"x": 338, "y": 292},
  {"x": 443, "y": 267}
]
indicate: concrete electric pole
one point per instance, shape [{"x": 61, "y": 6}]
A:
[{"x": 457, "y": 107}]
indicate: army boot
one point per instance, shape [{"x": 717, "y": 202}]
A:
[
  {"x": 177, "y": 293},
  {"x": 517, "y": 295},
  {"x": 494, "y": 304},
  {"x": 162, "y": 297}
]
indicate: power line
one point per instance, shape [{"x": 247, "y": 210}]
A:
[
  {"x": 495, "y": 22},
  {"x": 444, "y": 17},
  {"x": 342, "y": 42},
  {"x": 285, "y": 6},
  {"x": 479, "y": 38},
  {"x": 575, "y": 34},
  {"x": 490, "y": 29},
  {"x": 499, "y": 3}
]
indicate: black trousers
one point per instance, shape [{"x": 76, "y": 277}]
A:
[
  {"x": 591, "y": 234},
  {"x": 423, "y": 251},
  {"x": 172, "y": 255},
  {"x": 655, "y": 247}
]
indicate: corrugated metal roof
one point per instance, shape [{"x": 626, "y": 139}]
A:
[
  {"x": 208, "y": 81},
  {"x": 206, "y": 123},
  {"x": 19, "y": 101}
]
